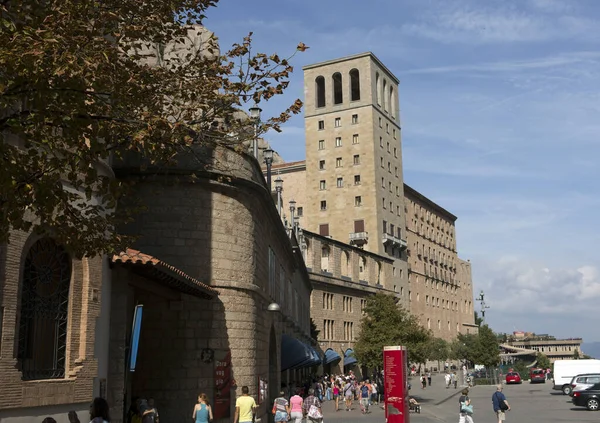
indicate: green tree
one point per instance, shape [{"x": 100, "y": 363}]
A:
[
  {"x": 314, "y": 332},
  {"x": 543, "y": 361},
  {"x": 83, "y": 82},
  {"x": 487, "y": 351},
  {"x": 387, "y": 324},
  {"x": 464, "y": 347},
  {"x": 576, "y": 355},
  {"x": 439, "y": 350}
]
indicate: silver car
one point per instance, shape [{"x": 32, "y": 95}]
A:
[{"x": 584, "y": 381}]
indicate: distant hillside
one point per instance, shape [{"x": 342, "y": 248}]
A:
[{"x": 591, "y": 349}]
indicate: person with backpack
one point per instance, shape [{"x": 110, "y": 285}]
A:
[
  {"x": 465, "y": 409},
  {"x": 348, "y": 394},
  {"x": 500, "y": 404}
]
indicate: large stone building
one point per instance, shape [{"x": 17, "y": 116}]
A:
[
  {"x": 210, "y": 258},
  {"x": 350, "y": 189},
  {"x": 342, "y": 278},
  {"x": 440, "y": 292}
]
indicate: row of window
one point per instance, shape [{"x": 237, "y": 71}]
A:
[
  {"x": 337, "y": 94},
  {"x": 338, "y": 142},
  {"x": 432, "y": 235},
  {"x": 337, "y": 122},
  {"x": 439, "y": 325},
  {"x": 421, "y": 213},
  {"x": 329, "y": 330},
  {"x": 387, "y": 128},
  {"x": 435, "y": 257}
]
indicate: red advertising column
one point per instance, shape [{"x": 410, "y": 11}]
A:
[{"x": 396, "y": 385}]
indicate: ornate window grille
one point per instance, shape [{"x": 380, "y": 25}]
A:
[{"x": 44, "y": 311}]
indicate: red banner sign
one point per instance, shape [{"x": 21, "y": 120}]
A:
[
  {"x": 396, "y": 384},
  {"x": 223, "y": 385}
]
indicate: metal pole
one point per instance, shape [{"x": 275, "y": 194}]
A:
[
  {"x": 279, "y": 201},
  {"x": 269, "y": 176},
  {"x": 255, "y": 146}
]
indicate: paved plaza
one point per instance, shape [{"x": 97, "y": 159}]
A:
[{"x": 529, "y": 403}]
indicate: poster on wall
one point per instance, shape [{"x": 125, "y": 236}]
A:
[
  {"x": 223, "y": 384},
  {"x": 263, "y": 390}
]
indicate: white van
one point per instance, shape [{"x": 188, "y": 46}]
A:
[{"x": 566, "y": 370}]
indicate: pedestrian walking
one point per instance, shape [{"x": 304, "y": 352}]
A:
[
  {"x": 454, "y": 379},
  {"x": 365, "y": 393},
  {"x": 348, "y": 394},
  {"x": 281, "y": 408},
  {"x": 312, "y": 407},
  {"x": 336, "y": 395},
  {"x": 98, "y": 412},
  {"x": 203, "y": 411},
  {"x": 296, "y": 407},
  {"x": 465, "y": 414},
  {"x": 374, "y": 393},
  {"x": 423, "y": 381},
  {"x": 429, "y": 378},
  {"x": 447, "y": 379},
  {"x": 244, "y": 407},
  {"x": 500, "y": 404}
]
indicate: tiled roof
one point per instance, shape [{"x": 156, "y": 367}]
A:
[{"x": 164, "y": 272}]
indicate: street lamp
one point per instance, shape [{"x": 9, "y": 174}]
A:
[
  {"x": 268, "y": 155},
  {"x": 278, "y": 189},
  {"x": 292, "y": 211},
  {"x": 255, "y": 115}
]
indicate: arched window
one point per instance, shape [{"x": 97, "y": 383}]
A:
[
  {"x": 362, "y": 269},
  {"x": 392, "y": 102},
  {"x": 325, "y": 251},
  {"x": 346, "y": 264},
  {"x": 44, "y": 311},
  {"x": 338, "y": 96},
  {"x": 377, "y": 88},
  {"x": 383, "y": 95},
  {"x": 354, "y": 85},
  {"x": 320, "y": 91}
]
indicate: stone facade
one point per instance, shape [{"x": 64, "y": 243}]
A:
[
  {"x": 342, "y": 277},
  {"x": 441, "y": 292},
  {"x": 354, "y": 180},
  {"x": 222, "y": 228},
  {"x": 37, "y": 395}
]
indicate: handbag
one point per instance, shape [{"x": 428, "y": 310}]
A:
[
  {"x": 501, "y": 404},
  {"x": 464, "y": 408},
  {"x": 314, "y": 412}
]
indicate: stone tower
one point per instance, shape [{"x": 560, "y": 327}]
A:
[{"x": 354, "y": 180}]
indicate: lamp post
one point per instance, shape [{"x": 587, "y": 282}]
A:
[
  {"x": 268, "y": 155},
  {"x": 278, "y": 189},
  {"x": 255, "y": 115},
  {"x": 484, "y": 306},
  {"x": 292, "y": 211}
]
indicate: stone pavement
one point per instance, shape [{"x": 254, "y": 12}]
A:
[{"x": 437, "y": 405}]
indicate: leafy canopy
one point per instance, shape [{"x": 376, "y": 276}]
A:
[
  {"x": 387, "y": 324},
  {"x": 82, "y": 82}
]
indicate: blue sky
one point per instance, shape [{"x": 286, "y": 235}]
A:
[{"x": 500, "y": 111}]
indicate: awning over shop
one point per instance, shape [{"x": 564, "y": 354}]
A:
[
  {"x": 349, "y": 357},
  {"x": 293, "y": 352},
  {"x": 331, "y": 356},
  {"x": 296, "y": 354}
]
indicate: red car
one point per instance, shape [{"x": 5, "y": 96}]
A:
[
  {"x": 537, "y": 375},
  {"x": 513, "y": 377}
]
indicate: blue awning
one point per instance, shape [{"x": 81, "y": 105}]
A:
[
  {"x": 349, "y": 357},
  {"x": 314, "y": 358},
  {"x": 331, "y": 356},
  {"x": 293, "y": 352}
]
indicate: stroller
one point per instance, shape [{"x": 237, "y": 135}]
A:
[{"x": 413, "y": 405}]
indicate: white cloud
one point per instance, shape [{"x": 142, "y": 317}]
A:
[
  {"x": 553, "y": 6},
  {"x": 532, "y": 290},
  {"x": 453, "y": 22}
]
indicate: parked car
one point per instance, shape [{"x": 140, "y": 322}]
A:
[
  {"x": 565, "y": 370},
  {"x": 537, "y": 375},
  {"x": 581, "y": 382},
  {"x": 513, "y": 377},
  {"x": 589, "y": 397}
]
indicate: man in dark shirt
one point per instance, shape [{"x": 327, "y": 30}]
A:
[{"x": 500, "y": 404}]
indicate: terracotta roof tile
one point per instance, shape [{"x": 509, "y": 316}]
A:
[{"x": 182, "y": 280}]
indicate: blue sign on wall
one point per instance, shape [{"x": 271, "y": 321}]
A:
[{"x": 135, "y": 336}]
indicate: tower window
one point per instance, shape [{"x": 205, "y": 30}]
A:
[
  {"x": 357, "y": 201},
  {"x": 338, "y": 162},
  {"x": 321, "y": 144},
  {"x": 338, "y": 122},
  {"x": 356, "y": 160},
  {"x": 354, "y": 85},
  {"x": 356, "y": 179},
  {"x": 338, "y": 96},
  {"x": 338, "y": 141},
  {"x": 321, "y": 164},
  {"x": 320, "y": 91},
  {"x": 354, "y": 119},
  {"x": 355, "y": 139},
  {"x": 321, "y": 125},
  {"x": 340, "y": 182}
]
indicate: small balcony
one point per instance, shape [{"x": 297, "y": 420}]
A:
[
  {"x": 359, "y": 238},
  {"x": 389, "y": 239}
]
